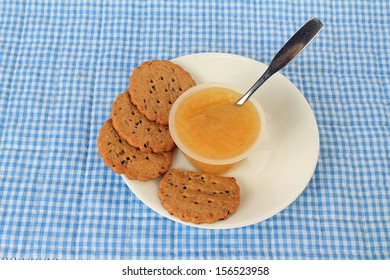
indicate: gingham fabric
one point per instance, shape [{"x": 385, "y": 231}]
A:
[{"x": 63, "y": 62}]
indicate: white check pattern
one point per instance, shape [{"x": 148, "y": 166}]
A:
[{"x": 63, "y": 62}]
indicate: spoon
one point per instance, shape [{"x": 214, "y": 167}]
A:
[{"x": 288, "y": 52}]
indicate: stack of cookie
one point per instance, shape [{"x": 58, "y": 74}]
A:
[{"x": 136, "y": 140}]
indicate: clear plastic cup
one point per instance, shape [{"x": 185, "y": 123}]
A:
[{"x": 208, "y": 164}]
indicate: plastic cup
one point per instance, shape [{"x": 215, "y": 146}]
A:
[{"x": 207, "y": 164}]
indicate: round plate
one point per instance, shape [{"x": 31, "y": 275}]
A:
[{"x": 277, "y": 173}]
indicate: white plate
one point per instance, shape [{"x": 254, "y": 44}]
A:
[{"x": 276, "y": 174}]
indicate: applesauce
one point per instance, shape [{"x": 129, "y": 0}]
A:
[{"x": 211, "y": 130}]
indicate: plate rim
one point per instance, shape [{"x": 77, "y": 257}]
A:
[{"x": 275, "y": 211}]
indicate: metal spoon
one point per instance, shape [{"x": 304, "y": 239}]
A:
[{"x": 288, "y": 52}]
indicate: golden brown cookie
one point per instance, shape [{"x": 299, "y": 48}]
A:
[
  {"x": 154, "y": 87},
  {"x": 137, "y": 130},
  {"x": 199, "y": 198},
  {"x": 123, "y": 158}
]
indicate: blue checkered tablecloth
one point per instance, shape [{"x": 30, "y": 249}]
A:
[{"x": 63, "y": 62}]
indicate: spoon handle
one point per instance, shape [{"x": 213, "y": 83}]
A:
[{"x": 288, "y": 52}]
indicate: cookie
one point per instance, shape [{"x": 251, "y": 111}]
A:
[
  {"x": 123, "y": 158},
  {"x": 137, "y": 130},
  {"x": 199, "y": 198},
  {"x": 154, "y": 87}
]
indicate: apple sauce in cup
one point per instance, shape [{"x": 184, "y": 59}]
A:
[{"x": 213, "y": 132}]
